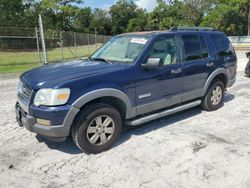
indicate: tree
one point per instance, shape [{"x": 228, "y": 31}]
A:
[
  {"x": 61, "y": 12},
  {"x": 164, "y": 16},
  {"x": 101, "y": 22},
  {"x": 195, "y": 10},
  {"x": 83, "y": 20},
  {"x": 139, "y": 23},
  {"x": 248, "y": 23},
  {"x": 245, "y": 10},
  {"x": 121, "y": 13},
  {"x": 229, "y": 16},
  {"x": 11, "y": 13},
  {"x": 157, "y": 15}
]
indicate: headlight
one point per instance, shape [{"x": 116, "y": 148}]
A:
[{"x": 51, "y": 97}]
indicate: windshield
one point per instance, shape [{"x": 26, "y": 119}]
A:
[{"x": 124, "y": 49}]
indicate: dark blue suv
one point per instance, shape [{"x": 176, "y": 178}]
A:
[{"x": 132, "y": 79}]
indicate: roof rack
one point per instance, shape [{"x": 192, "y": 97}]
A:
[{"x": 177, "y": 28}]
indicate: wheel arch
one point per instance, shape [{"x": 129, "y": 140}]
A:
[
  {"x": 113, "y": 97},
  {"x": 120, "y": 98},
  {"x": 220, "y": 74}
]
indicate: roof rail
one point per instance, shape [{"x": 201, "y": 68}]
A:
[{"x": 177, "y": 28}]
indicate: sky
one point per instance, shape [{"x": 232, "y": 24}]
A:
[{"x": 105, "y": 4}]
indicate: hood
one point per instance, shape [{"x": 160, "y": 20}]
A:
[{"x": 53, "y": 74}]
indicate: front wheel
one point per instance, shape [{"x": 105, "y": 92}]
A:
[
  {"x": 97, "y": 128},
  {"x": 213, "y": 99}
]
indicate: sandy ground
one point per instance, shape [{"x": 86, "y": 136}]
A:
[{"x": 191, "y": 149}]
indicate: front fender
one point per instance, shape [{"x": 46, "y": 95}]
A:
[{"x": 105, "y": 92}]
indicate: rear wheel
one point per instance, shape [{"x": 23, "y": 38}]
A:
[
  {"x": 213, "y": 99},
  {"x": 97, "y": 128}
]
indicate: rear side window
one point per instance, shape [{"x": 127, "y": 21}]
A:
[
  {"x": 194, "y": 47},
  {"x": 204, "y": 50},
  {"x": 222, "y": 44}
]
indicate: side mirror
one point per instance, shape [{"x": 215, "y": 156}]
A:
[{"x": 152, "y": 64}]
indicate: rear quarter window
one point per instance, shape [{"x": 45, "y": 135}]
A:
[{"x": 222, "y": 44}]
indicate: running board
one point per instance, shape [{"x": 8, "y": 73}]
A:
[{"x": 163, "y": 113}]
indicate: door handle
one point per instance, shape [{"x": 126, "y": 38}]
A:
[
  {"x": 176, "y": 71},
  {"x": 210, "y": 64}
]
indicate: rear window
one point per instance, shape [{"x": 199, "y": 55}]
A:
[
  {"x": 222, "y": 44},
  {"x": 194, "y": 47}
]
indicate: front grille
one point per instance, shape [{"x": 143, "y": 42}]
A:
[{"x": 24, "y": 93}]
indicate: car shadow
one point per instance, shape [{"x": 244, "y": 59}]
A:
[
  {"x": 69, "y": 146},
  {"x": 228, "y": 97},
  {"x": 157, "y": 124}
]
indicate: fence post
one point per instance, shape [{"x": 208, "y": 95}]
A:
[
  {"x": 95, "y": 41},
  {"x": 88, "y": 44},
  {"x": 75, "y": 44},
  {"x": 61, "y": 43},
  {"x": 37, "y": 45},
  {"x": 43, "y": 40}
]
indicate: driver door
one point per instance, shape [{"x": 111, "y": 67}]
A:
[{"x": 161, "y": 87}]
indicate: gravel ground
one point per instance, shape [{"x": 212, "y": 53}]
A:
[{"x": 191, "y": 149}]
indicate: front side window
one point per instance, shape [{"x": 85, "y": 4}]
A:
[
  {"x": 194, "y": 47},
  {"x": 164, "y": 49},
  {"x": 124, "y": 49}
]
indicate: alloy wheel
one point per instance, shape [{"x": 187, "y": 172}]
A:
[{"x": 100, "y": 130}]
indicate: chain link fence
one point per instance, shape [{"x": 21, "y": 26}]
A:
[
  {"x": 66, "y": 45},
  {"x": 240, "y": 42},
  {"x": 20, "y": 48}
]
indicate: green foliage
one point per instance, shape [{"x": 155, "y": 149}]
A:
[
  {"x": 138, "y": 23},
  {"x": 83, "y": 20},
  {"x": 230, "y": 16},
  {"x": 11, "y": 13},
  {"x": 101, "y": 22},
  {"x": 121, "y": 13}
]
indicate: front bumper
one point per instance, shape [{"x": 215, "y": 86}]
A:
[{"x": 55, "y": 132}]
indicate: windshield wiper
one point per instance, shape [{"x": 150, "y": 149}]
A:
[{"x": 101, "y": 59}]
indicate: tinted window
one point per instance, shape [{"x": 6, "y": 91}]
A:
[
  {"x": 204, "y": 50},
  {"x": 222, "y": 44},
  {"x": 194, "y": 47},
  {"x": 165, "y": 49}
]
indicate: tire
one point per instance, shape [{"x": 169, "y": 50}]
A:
[
  {"x": 213, "y": 99},
  {"x": 96, "y": 128}
]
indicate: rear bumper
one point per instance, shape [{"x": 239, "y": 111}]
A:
[{"x": 55, "y": 132}]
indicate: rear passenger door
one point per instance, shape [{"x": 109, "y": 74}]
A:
[{"x": 197, "y": 65}]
